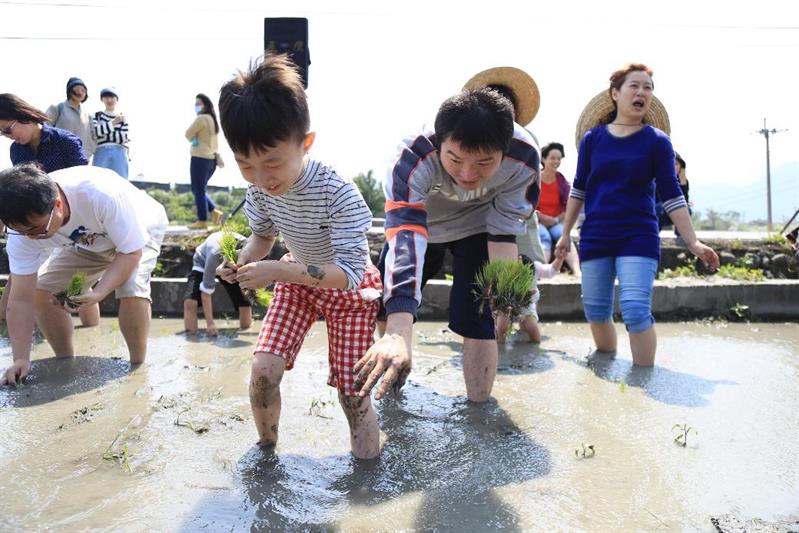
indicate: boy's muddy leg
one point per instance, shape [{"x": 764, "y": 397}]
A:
[
  {"x": 267, "y": 371},
  {"x": 479, "y": 367},
  {"x": 364, "y": 431}
]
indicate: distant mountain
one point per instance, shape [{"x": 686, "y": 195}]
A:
[{"x": 750, "y": 199}]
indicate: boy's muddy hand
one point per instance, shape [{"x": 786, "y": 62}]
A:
[
  {"x": 16, "y": 373},
  {"x": 227, "y": 271},
  {"x": 390, "y": 356}
]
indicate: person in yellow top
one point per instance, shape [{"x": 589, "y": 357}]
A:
[{"x": 202, "y": 134}]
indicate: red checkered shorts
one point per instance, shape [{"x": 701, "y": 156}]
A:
[{"x": 351, "y": 316}]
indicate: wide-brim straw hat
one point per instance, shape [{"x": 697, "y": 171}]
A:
[
  {"x": 600, "y": 107},
  {"x": 524, "y": 88}
]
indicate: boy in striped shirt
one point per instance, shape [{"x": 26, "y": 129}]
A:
[{"x": 323, "y": 220}]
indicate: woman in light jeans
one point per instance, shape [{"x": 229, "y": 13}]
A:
[
  {"x": 621, "y": 163},
  {"x": 111, "y": 132}
]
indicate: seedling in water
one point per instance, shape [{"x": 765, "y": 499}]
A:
[
  {"x": 197, "y": 428},
  {"x": 586, "y": 452},
  {"x": 682, "y": 436},
  {"x": 120, "y": 455},
  {"x": 506, "y": 286},
  {"x": 317, "y": 406},
  {"x": 75, "y": 288},
  {"x": 739, "y": 310}
]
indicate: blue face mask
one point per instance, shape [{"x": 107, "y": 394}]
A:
[{"x": 198, "y": 108}]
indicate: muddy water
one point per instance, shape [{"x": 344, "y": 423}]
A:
[{"x": 91, "y": 443}]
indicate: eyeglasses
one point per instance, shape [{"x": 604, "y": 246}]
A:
[
  {"x": 46, "y": 230},
  {"x": 9, "y": 130}
]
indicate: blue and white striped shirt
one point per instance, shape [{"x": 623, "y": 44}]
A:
[{"x": 323, "y": 220}]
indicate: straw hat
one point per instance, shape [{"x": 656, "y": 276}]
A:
[
  {"x": 519, "y": 82},
  {"x": 601, "y": 105}
]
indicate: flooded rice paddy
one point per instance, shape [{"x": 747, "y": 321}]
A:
[{"x": 568, "y": 442}]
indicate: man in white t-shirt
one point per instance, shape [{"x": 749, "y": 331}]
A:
[{"x": 100, "y": 225}]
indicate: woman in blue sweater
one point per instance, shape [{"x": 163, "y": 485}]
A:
[
  {"x": 53, "y": 148},
  {"x": 621, "y": 163}
]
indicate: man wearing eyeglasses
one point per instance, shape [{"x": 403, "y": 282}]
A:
[{"x": 102, "y": 226}]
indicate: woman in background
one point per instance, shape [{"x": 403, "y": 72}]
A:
[
  {"x": 552, "y": 204},
  {"x": 53, "y": 148},
  {"x": 111, "y": 132},
  {"x": 203, "y": 134},
  {"x": 622, "y": 161}
]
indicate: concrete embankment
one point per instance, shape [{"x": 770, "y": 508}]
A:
[{"x": 673, "y": 299}]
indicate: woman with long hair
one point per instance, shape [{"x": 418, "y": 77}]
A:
[
  {"x": 52, "y": 148},
  {"x": 203, "y": 135}
]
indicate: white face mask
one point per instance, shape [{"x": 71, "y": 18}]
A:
[{"x": 198, "y": 108}]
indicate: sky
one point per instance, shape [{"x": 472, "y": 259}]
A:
[{"x": 380, "y": 70}]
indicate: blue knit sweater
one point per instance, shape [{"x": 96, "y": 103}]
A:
[
  {"x": 616, "y": 178},
  {"x": 57, "y": 149}
]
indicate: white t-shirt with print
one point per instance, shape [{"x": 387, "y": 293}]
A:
[{"x": 107, "y": 212}]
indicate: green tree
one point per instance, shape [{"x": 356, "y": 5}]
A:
[{"x": 372, "y": 192}]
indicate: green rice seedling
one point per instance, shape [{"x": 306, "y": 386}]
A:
[
  {"x": 263, "y": 297},
  {"x": 318, "y": 406},
  {"x": 228, "y": 247},
  {"x": 586, "y": 452},
  {"x": 682, "y": 437},
  {"x": 76, "y": 283},
  {"x": 75, "y": 288},
  {"x": 506, "y": 286},
  {"x": 197, "y": 428}
]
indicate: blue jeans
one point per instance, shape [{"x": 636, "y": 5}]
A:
[
  {"x": 549, "y": 235},
  {"x": 636, "y": 279},
  {"x": 201, "y": 170},
  {"x": 113, "y": 156}
]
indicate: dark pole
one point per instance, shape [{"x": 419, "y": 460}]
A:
[
  {"x": 767, "y": 133},
  {"x": 768, "y": 173}
]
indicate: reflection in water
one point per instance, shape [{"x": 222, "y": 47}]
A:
[
  {"x": 659, "y": 383},
  {"x": 55, "y": 378},
  {"x": 446, "y": 465},
  {"x": 452, "y": 451}
]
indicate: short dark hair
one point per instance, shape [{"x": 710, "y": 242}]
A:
[
  {"x": 25, "y": 189},
  {"x": 264, "y": 106},
  {"x": 552, "y": 146},
  {"x": 12, "y": 107},
  {"x": 478, "y": 119}
]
